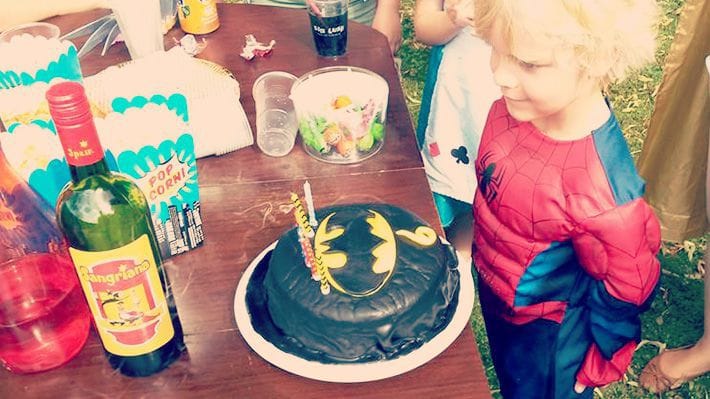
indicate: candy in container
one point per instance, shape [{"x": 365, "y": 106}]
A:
[{"x": 341, "y": 113}]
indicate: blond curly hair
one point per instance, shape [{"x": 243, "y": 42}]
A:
[{"x": 609, "y": 37}]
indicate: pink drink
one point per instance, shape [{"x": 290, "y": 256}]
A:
[{"x": 44, "y": 319}]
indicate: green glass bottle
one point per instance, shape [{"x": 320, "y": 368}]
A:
[{"x": 105, "y": 218}]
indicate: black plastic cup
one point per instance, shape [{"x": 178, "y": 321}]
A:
[{"x": 329, "y": 24}]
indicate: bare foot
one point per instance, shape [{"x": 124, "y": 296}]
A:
[
  {"x": 684, "y": 363},
  {"x": 674, "y": 367}
]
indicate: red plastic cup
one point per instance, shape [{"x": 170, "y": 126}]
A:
[{"x": 44, "y": 319}]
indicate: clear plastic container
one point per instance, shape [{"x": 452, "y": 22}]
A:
[{"x": 341, "y": 113}]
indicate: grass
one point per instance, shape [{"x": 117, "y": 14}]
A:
[{"x": 676, "y": 316}]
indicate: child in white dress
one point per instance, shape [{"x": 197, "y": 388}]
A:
[{"x": 458, "y": 94}]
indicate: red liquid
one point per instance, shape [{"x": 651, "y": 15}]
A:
[{"x": 41, "y": 326}]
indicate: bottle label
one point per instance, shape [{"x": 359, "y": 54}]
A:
[
  {"x": 126, "y": 297},
  {"x": 81, "y": 149}
]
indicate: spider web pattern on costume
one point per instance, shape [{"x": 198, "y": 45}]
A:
[{"x": 545, "y": 192}]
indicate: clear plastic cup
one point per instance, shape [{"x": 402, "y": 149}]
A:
[
  {"x": 43, "y": 29},
  {"x": 276, "y": 125}
]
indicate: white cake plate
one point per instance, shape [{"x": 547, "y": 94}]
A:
[{"x": 352, "y": 372}]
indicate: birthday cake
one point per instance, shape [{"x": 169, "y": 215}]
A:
[{"x": 374, "y": 282}]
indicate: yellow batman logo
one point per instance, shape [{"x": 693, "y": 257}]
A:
[
  {"x": 385, "y": 253},
  {"x": 331, "y": 259}
]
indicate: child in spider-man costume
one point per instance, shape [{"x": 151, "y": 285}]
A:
[{"x": 564, "y": 244}]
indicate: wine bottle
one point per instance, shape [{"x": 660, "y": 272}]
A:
[{"x": 106, "y": 221}]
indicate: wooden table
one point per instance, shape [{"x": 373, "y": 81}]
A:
[{"x": 242, "y": 195}]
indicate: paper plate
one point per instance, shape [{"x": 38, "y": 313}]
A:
[{"x": 351, "y": 372}]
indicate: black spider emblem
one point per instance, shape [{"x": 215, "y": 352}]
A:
[
  {"x": 488, "y": 180},
  {"x": 461, "y": 155}
]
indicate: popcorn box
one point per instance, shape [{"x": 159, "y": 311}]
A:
[
  {"x": 165, "y": 169},
  {"x": 29, "y": 59},
  {"x": 34, "y": 151},
  {"x": 28, "y": 66}
]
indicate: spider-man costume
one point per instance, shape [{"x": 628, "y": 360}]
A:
[{"x": 565, "y": 249}]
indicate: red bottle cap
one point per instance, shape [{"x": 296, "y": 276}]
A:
[
  {"x": 68, "y": 104},
  {"x": 74, "y": 122}
]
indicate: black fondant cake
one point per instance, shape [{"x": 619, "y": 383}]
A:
[{"x": 387, "y": 285}]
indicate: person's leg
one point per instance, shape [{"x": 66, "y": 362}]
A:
[
  {"x": 701, "y": 350},
  {"x": 704, "y": 342},
  {"x": 460, "y": 233},
  {"x": 674, "y": 367},
  {"x": 696, "y": 359},
  {"x": 527, "y": 357},
  {"x": 457, "y": 219},
  {"x": 522, "y": 355},
  {"x": 706, "y": 335}
]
